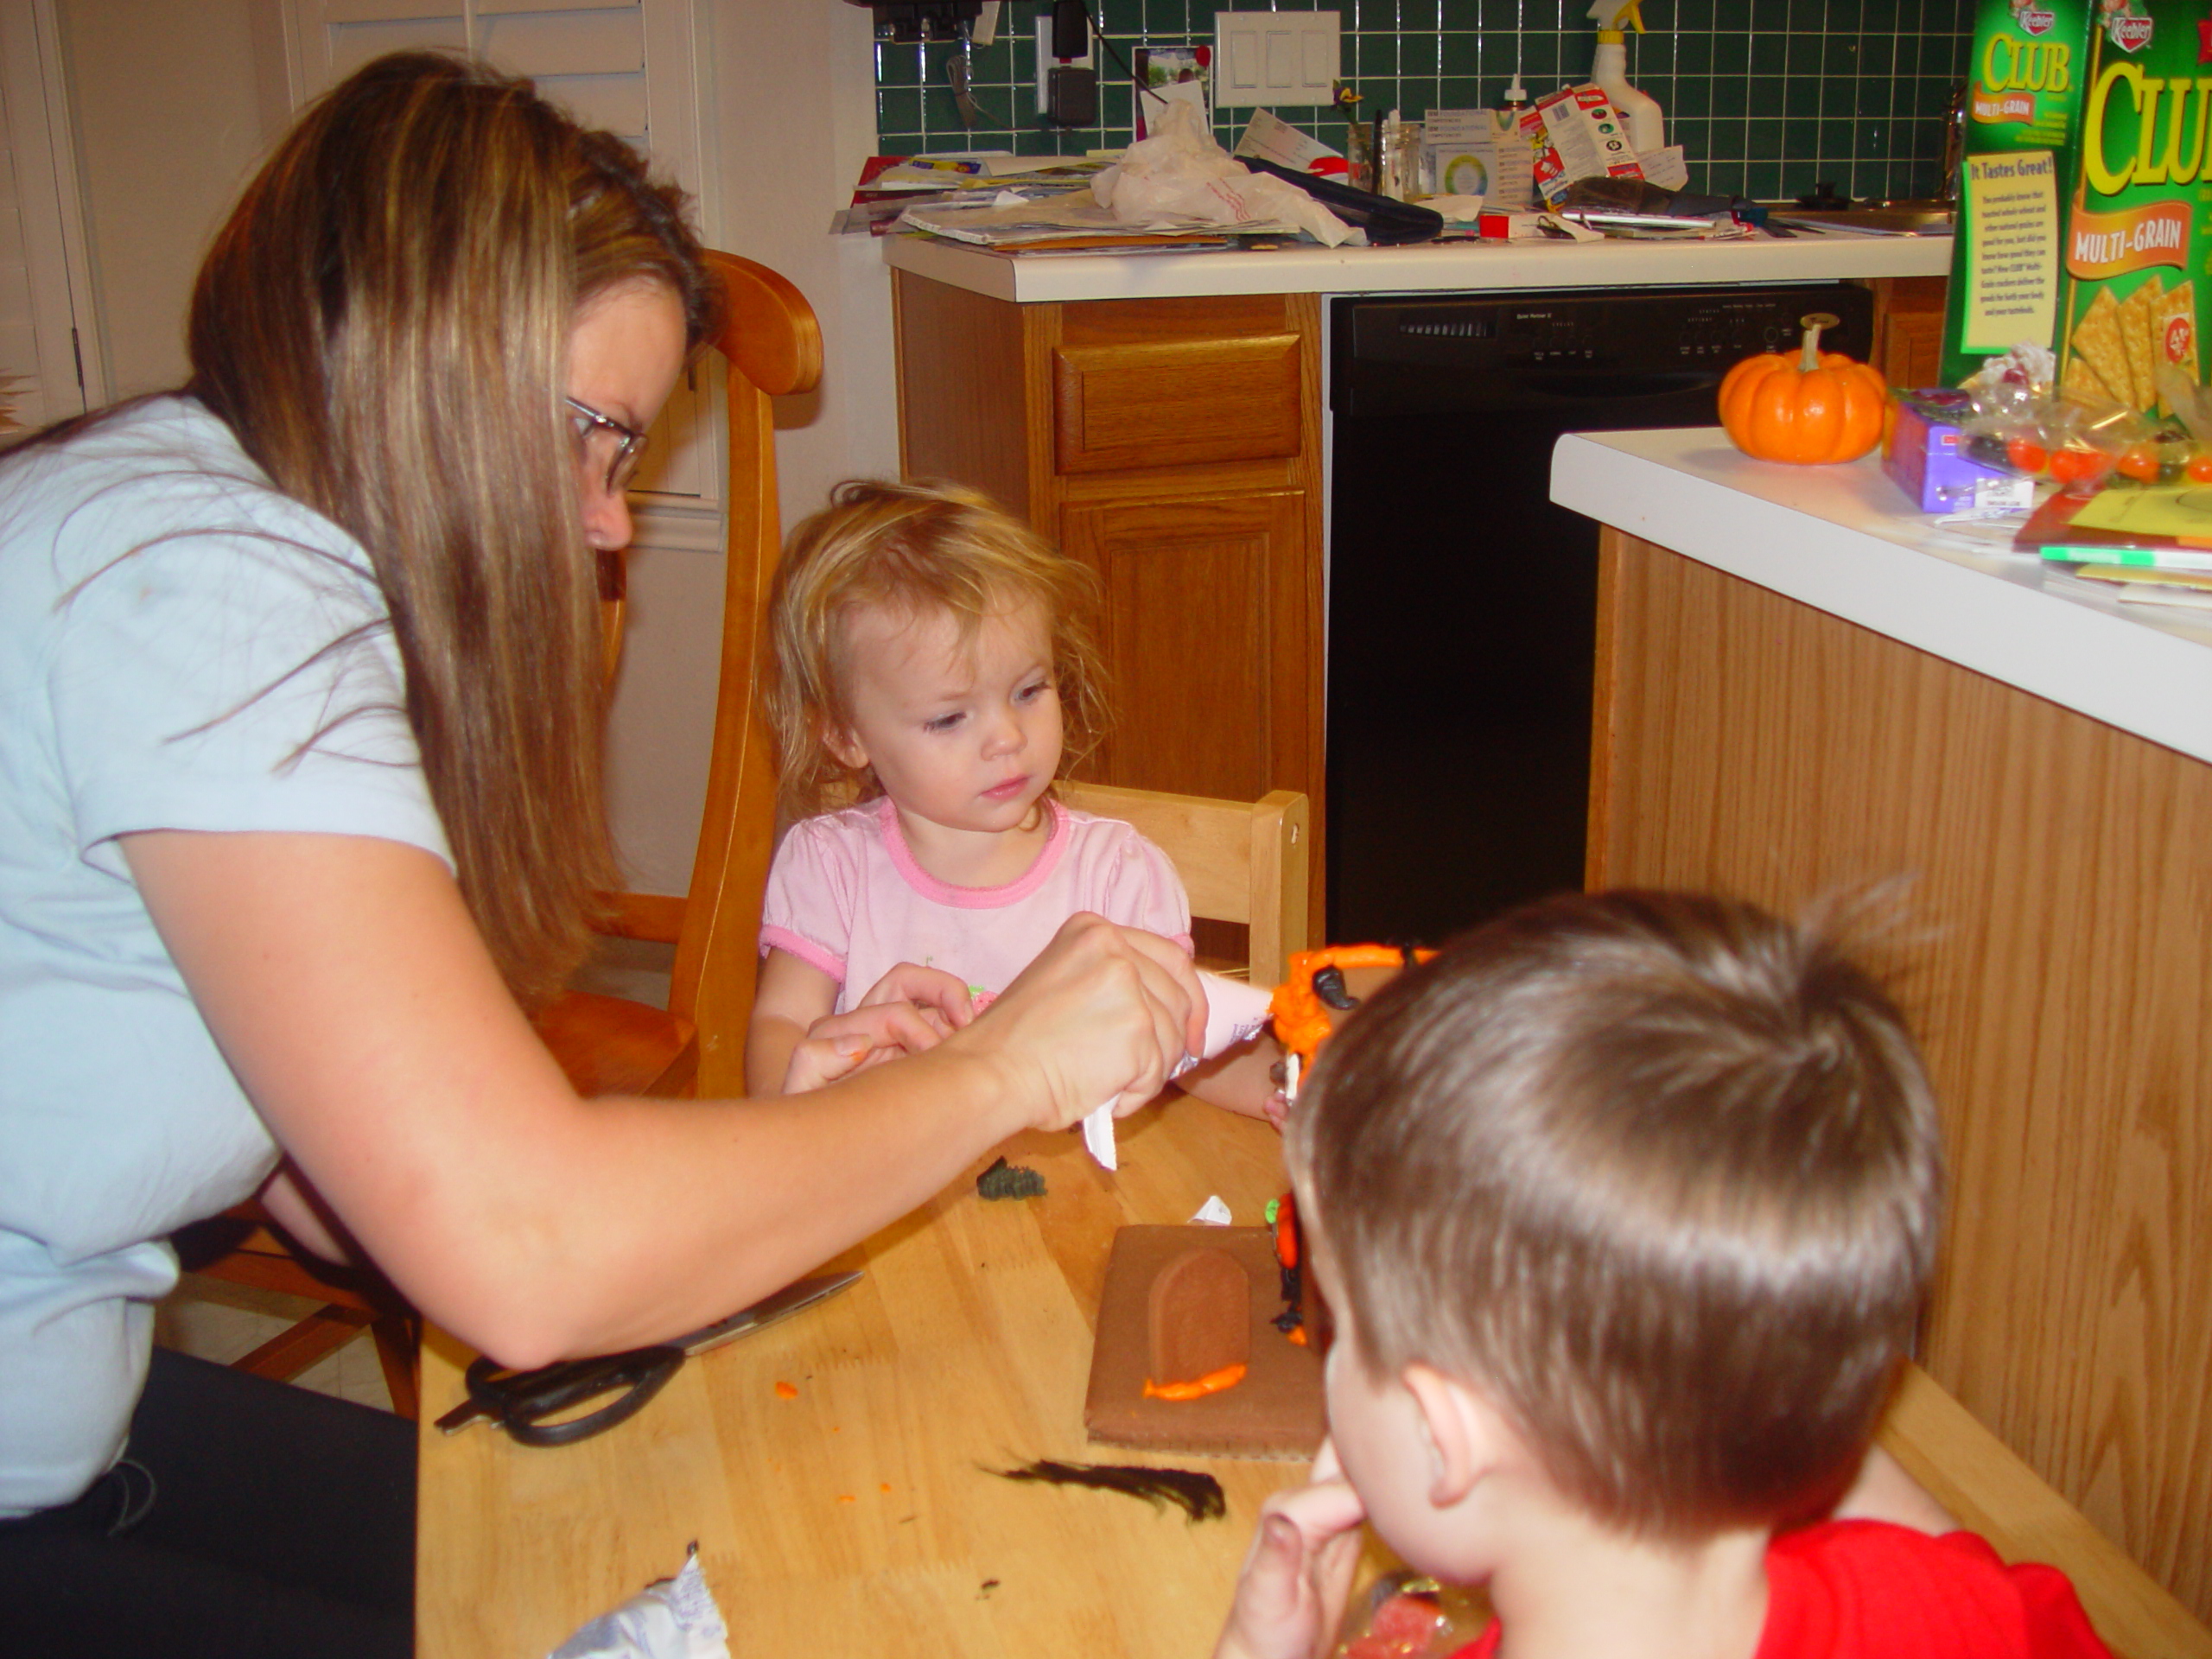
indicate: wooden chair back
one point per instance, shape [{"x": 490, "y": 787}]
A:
[
  {"x": 1242, "y": 861},
  {"x": 611, "y": 1046}
]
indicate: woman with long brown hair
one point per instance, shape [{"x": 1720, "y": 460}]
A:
[{"x": 299, "y": 812}]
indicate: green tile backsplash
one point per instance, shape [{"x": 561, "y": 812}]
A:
[{"x": 1767, "y": 97}]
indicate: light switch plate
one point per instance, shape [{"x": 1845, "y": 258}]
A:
[
  {"x": 1273, "y": 57},
  {"x": 1046, "y": 62}
]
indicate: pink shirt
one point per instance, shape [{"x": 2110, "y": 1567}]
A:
[{"x": 845, "y": 896}]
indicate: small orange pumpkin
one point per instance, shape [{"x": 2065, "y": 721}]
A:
[{"x": 1810, "y": 407}]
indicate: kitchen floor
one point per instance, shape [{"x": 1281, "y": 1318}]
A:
[{"x": 215, "y": 1320}]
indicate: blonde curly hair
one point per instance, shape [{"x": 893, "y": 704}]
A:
[{"x": 914, "y": 547}]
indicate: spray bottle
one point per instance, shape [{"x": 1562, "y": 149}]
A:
[{"x": 1647, "y": 128}]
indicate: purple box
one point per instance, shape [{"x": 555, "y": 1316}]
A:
[{"x": 1923, "y": 453}]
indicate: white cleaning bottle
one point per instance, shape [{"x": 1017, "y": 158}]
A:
[{"x": 1647, "y": 127}]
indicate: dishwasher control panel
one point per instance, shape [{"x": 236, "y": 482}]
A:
[{"x": 1433, "y": 354}]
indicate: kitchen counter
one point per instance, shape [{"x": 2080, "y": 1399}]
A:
[
  {"x": 1424, "y": 267},
  {"x": 1842, "y": 540},
  {"x": 1803, "y": 692}
]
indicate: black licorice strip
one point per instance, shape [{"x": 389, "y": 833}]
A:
[{"x": 1198, "y": 1496}]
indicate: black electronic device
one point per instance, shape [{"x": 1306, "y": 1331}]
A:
[
  {"x": 1463, "y": 601},
  {"x": 920, "y": 20},
  {"x": 1070, "y": 28},
  {"x": 1072, "y": 96}
]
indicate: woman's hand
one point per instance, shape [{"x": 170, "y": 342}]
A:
[
  {"x": 1102, "y": 1015},
  {"x": 1290, "y": 1595}
]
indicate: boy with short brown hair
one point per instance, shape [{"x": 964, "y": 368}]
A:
[{"x": 1625, "y": 1207}]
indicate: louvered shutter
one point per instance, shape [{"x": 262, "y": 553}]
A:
[{"x": 624, "y": 67}]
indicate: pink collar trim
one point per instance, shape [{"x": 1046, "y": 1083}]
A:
[{"x": 943, "y": 892}]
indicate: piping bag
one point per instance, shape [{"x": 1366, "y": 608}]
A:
[{"x": 1235, "y": 1012}]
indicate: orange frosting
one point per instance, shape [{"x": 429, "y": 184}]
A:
[
  {"x": 1301, "y": 1018},
  {"x": 1212, "y": 1382}
]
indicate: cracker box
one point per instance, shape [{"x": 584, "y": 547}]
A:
[
  {"x": 1575, "y": 133},
  {"x": 2085, "y": 195}
]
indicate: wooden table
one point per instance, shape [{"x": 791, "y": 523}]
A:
[{"x": 857, "y": 1517}]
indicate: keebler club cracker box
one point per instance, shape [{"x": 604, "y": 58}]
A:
[{"x": 2085, "y": 209}]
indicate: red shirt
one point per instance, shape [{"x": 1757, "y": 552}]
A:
[{"x": 1845, "y": 1589}]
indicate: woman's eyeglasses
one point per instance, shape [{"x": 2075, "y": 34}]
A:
[{"x": 601, "y": 435}]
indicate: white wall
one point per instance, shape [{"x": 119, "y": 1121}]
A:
[{"x": 789, "y": 85}]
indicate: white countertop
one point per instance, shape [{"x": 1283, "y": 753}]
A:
[
  {"x": 1844, "y": 540},
  {"x": 1428, "y": 266}
]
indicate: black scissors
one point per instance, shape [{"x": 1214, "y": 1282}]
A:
[{"x": 520, "y": 1401}]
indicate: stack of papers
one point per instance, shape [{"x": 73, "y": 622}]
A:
[
  {"x": 1063, "y": 222},
  {"x": 889, "y": 184},
  {"x": 2159, "y": 527},
  {"x": 2150, "y": 546}
]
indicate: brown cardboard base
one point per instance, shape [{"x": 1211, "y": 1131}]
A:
[{"x": 1277, "y": 1411}]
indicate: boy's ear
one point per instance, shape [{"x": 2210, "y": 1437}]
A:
[{"x": 1465, "y": 1435}]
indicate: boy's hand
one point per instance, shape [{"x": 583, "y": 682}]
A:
[{"x": 1290, "y": 1596}]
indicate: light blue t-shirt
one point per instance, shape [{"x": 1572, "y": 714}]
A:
[{"x": 180, "y": 648}]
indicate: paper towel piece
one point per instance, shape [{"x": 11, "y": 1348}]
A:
[
  {"x": 1213, "y": 1213},
  {"x": 1235, "y": 1012},
  {"x": 673, "y": 1619}
]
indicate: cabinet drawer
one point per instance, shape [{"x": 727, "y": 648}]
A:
[{"x": 1176, "y": 404}]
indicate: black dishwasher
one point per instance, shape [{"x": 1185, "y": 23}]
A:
[{"x": 1462, "y": 602}]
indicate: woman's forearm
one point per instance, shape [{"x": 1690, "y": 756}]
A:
[{"x": 350, "y": 993}]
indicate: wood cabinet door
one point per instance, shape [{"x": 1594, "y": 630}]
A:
[
  {"x": 1909, "y": 330},
  {"x": 1210, "y": 626}
]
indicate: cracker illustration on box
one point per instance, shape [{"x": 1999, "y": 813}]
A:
[
  {"x": 2085, "y": 200},
  {"x": 2135, "y": 338}
]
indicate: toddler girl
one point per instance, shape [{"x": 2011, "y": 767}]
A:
[{"x": 932, "y": 673}]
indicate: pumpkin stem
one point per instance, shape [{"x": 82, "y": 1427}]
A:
[{"x": 1810, "y": 359}]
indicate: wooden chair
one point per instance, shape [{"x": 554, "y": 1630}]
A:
[
  {"x": 609, "y": 1044},
  {"x": 242, "y": 1246},
  {"x": 1986, "y": 1486},
  {"x": 1241, "y": 862}
]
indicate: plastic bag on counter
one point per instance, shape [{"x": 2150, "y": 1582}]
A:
[
  {"x": 1180, "y": 173},
  {"x": 2018, "y": 418}
]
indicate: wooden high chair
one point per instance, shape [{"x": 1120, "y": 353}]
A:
[
  {"x": 1242, "y": 861},
  {"x": 609, "y": 1044}
]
